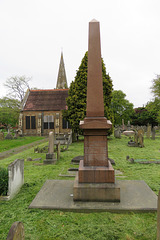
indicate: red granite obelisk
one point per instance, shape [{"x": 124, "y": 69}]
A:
[{"x": 95, "y": 180}]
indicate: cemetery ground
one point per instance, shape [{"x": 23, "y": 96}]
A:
[{"x": 51, "y": 224}]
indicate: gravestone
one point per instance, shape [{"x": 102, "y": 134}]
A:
[
  {"x": 123, "y": 128},
  {"x": 153, "y": 133},
  {"x": 128, "y": 126},
  {"x": 1, "y": 136},
  {"x": 138, "y": 138},
  {"x": 148, "y": 134},
  {"x": 95, "y": 180},
  {"x": 16, "y": 231},
  {"x": 117, "y": 133},
  {"x": 58, "y": 150},
  {"x": 50, "y": 156},
  {"x": 158, "y": 217},
  {"x": 9, "y": 136}
]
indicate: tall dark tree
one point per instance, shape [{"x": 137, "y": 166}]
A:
[{"x": 76, "y": 100}]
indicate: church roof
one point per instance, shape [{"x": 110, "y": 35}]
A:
[
  {"x": 61, "y": 79},
  {"x": 46, "y": 100}
]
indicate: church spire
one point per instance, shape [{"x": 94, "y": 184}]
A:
[{"x": 61, "y": 79}]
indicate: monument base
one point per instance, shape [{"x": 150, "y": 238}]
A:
[
  {"x": 50, "y": 159},
  {"x": 96, "y": 192},
  {"x": 96, "y": 174}
]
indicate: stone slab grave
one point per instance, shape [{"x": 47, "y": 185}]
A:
[
  {"x": 15, "y": 178},
  {"x": 95, "y": 187}
]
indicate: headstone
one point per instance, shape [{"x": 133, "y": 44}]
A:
[
  {"x": 117, "y": 133},
  {"x": 128, "y": 126},
  {"x": 138, "y": 139},
  {"x": 95, "y": 180},
  {"x": 123, "y": 124},
  {"x": 141, "y": 140},
  {"x": 153, "y": 133},
  {"x": 158, "y": 217},
  {"x": 16, "y": 231},
  {"x": 16, "y": 134},
  {"x": 148, "y": 134},
  {"x": 1, "y": 136},
  {"x": 15, "y": 177},
  {"x": 50, "y": 157},
  {"x": 9, "y": 136},
  {"x": 58, "y": 150}
]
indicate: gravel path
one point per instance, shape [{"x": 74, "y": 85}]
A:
[{"x": 14, "y": 151}]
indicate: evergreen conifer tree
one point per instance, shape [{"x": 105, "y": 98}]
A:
[{"x": 76, "y": 100}]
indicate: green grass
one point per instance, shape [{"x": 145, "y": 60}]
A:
[
  {"x": 51, "y": 224},
  {"x": 7, "y": 144}
]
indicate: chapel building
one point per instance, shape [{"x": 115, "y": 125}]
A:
[{"x": 42, "y": 109}]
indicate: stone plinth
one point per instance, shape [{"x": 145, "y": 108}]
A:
[
  {"x": 98, "y": 192},
  {"x": 96, "y": 174},
  {"x": 50, "y": 159}
]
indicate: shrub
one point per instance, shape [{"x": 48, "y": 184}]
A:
[{"x": 3, "y": 181}]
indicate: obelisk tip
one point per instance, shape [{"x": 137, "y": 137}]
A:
[{"x": 93, "y": 20}]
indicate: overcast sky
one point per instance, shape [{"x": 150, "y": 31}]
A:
[{"x": 33, "y": 33}]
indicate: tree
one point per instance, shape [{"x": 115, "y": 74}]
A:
[
  {"x": 17, "y": 87},
  {"x": 154, "y": 108},
  {"x": 155, "y": 88},
  {"x": 76, "y": 100},
  {"x": 9, "y": 111},
  {"x": 121, "y": 107},
  {"x": 147, "y": 115}
]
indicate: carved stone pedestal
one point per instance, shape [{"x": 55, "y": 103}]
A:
[
  {"x": 50, "y": 159},
  {"x": 96, "y": 192}
]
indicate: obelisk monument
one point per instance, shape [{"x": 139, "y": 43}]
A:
[{"x": 95, "y": 180}]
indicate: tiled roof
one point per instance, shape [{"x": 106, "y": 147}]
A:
[{"x": 46, "y": 100}]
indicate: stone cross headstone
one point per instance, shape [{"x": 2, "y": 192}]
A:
[
  {"x": 50, "y": 156},
  {"x": 95, "y": 173}
]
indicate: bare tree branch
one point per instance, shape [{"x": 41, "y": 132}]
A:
[{"x": 17, "y": 86}]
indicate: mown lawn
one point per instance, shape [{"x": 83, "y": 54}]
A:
[
  {"x": 7, "y": 144},
  {"x": 50, "y": 224}
]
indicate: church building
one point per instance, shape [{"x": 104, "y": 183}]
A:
[{"x": 42, "y": 109}]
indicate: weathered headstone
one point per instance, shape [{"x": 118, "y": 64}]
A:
[
  {"x": 95, "y": 180},
  {"x": 15, "y": 177},
  {"x": 128, "y": 126},
  {"x": 58, "y": 150},
  {"x": 117, "y": 133},
  {"x": 153, "y": 133},
  {"x": 16, "y": 231},
  {"x": 50, "y": 156},
  {"x": 158, "y": 217},
  {"x": 9, "y": 136},
  {"x": 148, "y": 134},
  {"x": 1, "y": 136}
]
